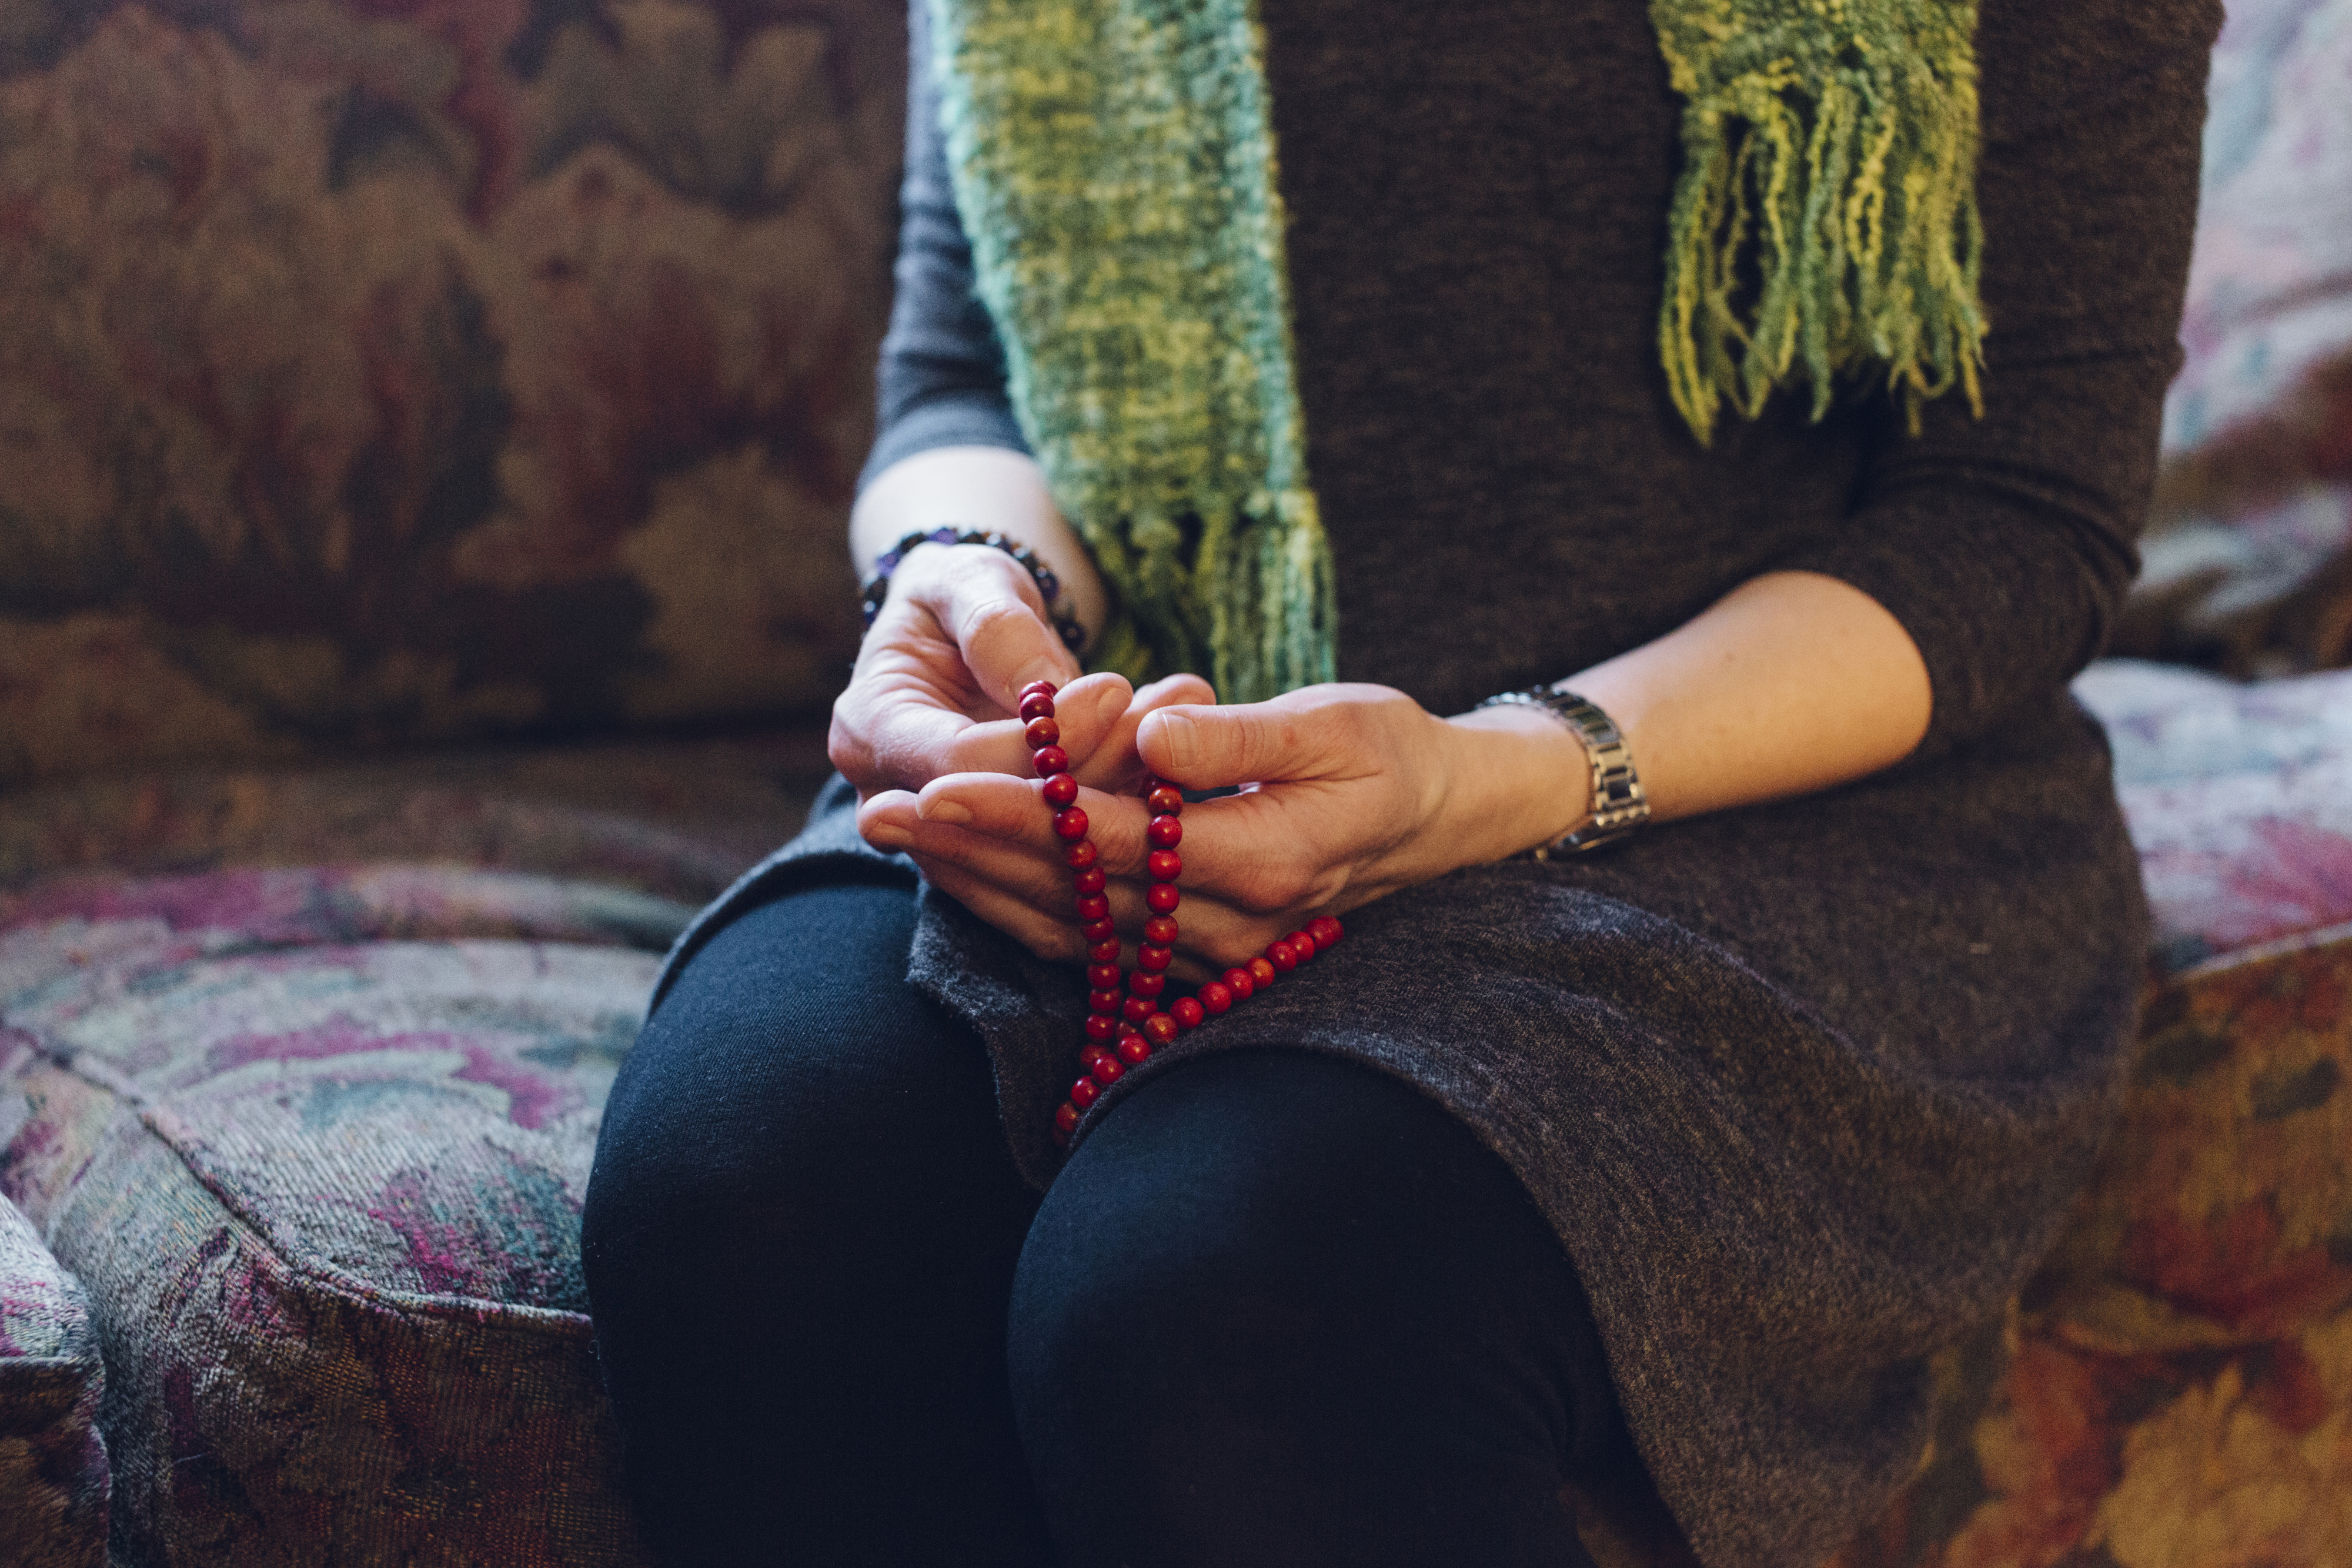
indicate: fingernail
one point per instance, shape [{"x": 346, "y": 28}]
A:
[
  {"x": 883, "y": 836},
  {"x": 950, "y": 812}
]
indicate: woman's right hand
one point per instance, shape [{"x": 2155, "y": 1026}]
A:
[{"x": 962, "y": 631}]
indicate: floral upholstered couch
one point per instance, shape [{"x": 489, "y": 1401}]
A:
[{"x": 424, "y": 432}]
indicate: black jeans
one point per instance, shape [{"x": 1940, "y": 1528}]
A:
[{"x": 1278, "y": 1308}]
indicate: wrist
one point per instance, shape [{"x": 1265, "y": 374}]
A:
[
  {"x": 1521, "y": 780},
  {"x": 888, "y": 567},
  {"x": 986, "y": 489}
]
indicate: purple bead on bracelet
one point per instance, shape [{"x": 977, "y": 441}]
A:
[{"x": 1049, "y": 587}]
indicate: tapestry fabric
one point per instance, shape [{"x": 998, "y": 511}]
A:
[
  {"x": 322, "y": 1187},
  {"x": 2174, "y": 1389},
  {"x": 672, "y": 821},
  {"x": 2240, "y": 800},
  {"x": 53, "y": 1474},
  {"x": 375, "y": 371}
]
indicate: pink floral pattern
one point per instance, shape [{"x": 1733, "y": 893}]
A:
[
  {"x": 2239, "y": 798},
  {"x": 384, "y": 370}
]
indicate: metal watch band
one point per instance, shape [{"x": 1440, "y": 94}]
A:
[{"x": 1617, "y": 805}]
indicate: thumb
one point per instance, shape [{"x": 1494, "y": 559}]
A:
[{"x": 1211, "y": 748}]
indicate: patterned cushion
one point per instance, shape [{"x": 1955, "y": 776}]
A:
[
  {"x": 2268, "y": 318},
  {"x": 377, "y": 371},
  {"x": 315, "y": 1142},
  {"x": 2249, "y": 561},
  {"x": 53, "y": 1480},
  {"x": 2239, "y": 798}
]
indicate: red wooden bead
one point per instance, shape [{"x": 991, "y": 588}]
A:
[
  {"x": 1102, "y": 977},
  {"x": 1261, "y": 971},
  {"x": 1108, "y": 1070},
  {"x": 1089, "y": 1056},
  {"x": 1067, "y": 1118},
  {"x": 1042, "y": 732},
  {"x": 1135, "y": 1010},
  {"x": 1163, "y": 898},
  {"x": 1045, "y": 689},
  {"x": 1135, "y": 1048},
  {"x": 1144, "y": 983},
  {"x": 1104, "y": 952},
  {"x": 1060, "y": 791},
  {"x": 1151, "y": 957},
  {"x": 1240, "y": 983},
  {"x": 1103, "y": 1001},
  {"x": 1127, "y": 1030},
  {"x": 1071, "y": 823},
  {"x": 1165, "y": 799},
  {"x": 1084, "y": 1093},
  {"x": 1101, "y": 1028},
  {"x": 1035, "y": 708},
  {"x": 1325, "y": 930},
  {"x": 1094, "y": 907},
  {"x": 1216, "y": 996},
  {"x": 1050, "y": 761},
  {"x": 1302, "y": 944},
  {"x": 1080, "y": 856},
  {"x": 1281, "y": 955},
  {"x": 1099, "y": 930},
  {"x": 1161, "y": 930},
  {"x": 1165, "y": 865},
  {"x": 1188, "y": 1012},
  {"x": 1165, "y": 831},
  {"x": 1090, "y": 880},
  {"x": 1161, "y": 1028}
]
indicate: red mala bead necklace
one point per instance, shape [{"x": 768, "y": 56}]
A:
[{"x": 1128, "y": 1013}]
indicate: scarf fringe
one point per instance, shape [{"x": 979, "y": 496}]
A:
[
  {"x": 1246, "y": 597},
  {"x": 1825, "y": 223}
]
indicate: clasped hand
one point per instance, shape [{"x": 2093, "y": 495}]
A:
[{"x": 1346, "y": 791}]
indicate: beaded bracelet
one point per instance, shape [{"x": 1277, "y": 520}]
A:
[{"x": 877, "y": 587}]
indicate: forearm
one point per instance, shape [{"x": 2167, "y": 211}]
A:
[
  {"x": 978, "y": 487},
  {"x": 1792, "y": 682}
]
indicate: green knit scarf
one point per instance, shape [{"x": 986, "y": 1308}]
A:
[{"x": 1114, "y": 163}]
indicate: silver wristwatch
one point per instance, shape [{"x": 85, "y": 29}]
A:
[{"x": 1618, "y": 804}]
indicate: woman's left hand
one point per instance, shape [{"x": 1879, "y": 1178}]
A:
[{"x": 1348, "y": 792}]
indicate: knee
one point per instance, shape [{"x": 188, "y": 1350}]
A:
[{"x": 1298, "y": 1248}]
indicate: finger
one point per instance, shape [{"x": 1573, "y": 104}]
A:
[
  {"x": 887, "y": 820},
  {"x": 1054, "y": 940},
  {"x": 1245, "y": 743},
  {"x": 907, "y": 743},
  {"x": 1087, "y": 711},
  {"x": 1126, "y": 772},
  {"x": 996, "y": 617},
  {"x": 897, "y": 729},
  {"x": 1013, "y": 810},
  {"x": 1259, "y": 853}
]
